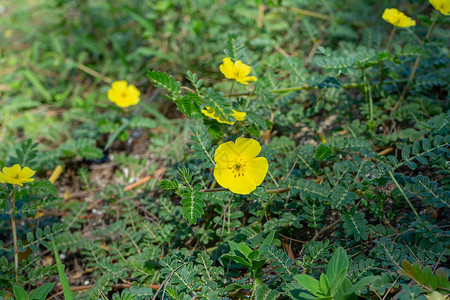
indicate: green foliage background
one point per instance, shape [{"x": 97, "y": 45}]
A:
[{"x": 357, "y": 191}]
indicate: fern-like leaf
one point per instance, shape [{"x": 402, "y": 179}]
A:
[{"x": 165, "y": 81}]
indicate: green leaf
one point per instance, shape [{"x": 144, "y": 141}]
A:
[
  {"x": 309, "y": 283},
  {"x": 338, "y": 280},
  {"x": 338, "y": 263},
  {"x": 426, "y": 144},
  {"x": 62, "y": 276},
  {"x": 145, "y": 23},
  {"x": 185, "y": 105},
  {"x": 323, "y": 151},
  {"x": 41, "y": 292},
  {"x": 113, "y": 137},
  {"x": 268, "y": 240},
  {"x": 38, "y": 85},
  {"x": 360, "y": 284},
  {"x": 355, "y": 223},
  {"x": 428, "y": 278},
  {"x": 20, "y": 293},
  {"x": 441, "y": 278},
  {"x": 324, "y": 284},
  {"x": 162, "y": 80},
  {"x": 241, "y": 247},
  {"x": 412, "y": 165},
  {"x": 169, "y": 185},
  {"x": 263, "y": 292},
  {"x": 192, "y": 204}
]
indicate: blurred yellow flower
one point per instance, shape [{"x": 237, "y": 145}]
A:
[
  {"x": 122, "y": 94},
  {"x": 16, "y": 175},
  {"x": 237, "y": 167},
  {"x": 397, "y": 18},
  {"x": 441, "y": 5},
  {"x": 211, "y": 112},
  {"x": 237, "y": 71}
]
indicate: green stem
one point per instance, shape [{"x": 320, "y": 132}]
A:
[
  {"x": 221, "y": 189},
  {"x": 368, "y": 95},
  {"x": 14, "y": 232},
  {"x": 308, "y": 88},
  {"x": 387, "y": 48},
  {"x": 232, "y": 87},
  {"x": 414, "y": 69},
  {"x": 369, "y": 87},
  {"x": 256, "y": 282},
  {"x": 265, "y": 208},
  {"x": 403, "y": 193}
]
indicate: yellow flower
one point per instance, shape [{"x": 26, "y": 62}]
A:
[
  {"x": 16, "y": 175},
  {"x": 441, "y": 5},
  {"x": 237, "y": 167},
  {"x": 397, "y": 18},
  {"x": 237, "y": 71},
  {"x": 211, "y": 112},
  {"x": 122, "y": 94}
]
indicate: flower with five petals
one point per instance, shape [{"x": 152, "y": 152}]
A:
[
  {"x": 237, "y": 71},
  {"x": 237, "y": 167},
  {"x": 16, "y": 175},
  {"x": 123, "y": 94}
]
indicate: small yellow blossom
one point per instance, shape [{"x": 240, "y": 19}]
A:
[
  {"x": 237, "y": 71},
  {"x": 441, "y": 5},
  {"x": 122, "y": 94},
  {"x": 397, "y": 18},
  {"x": 237, "y": 167},
  {"x": 211, "y": 112},
  {"x": 16, "y": 175}
]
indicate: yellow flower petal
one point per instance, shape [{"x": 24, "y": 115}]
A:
[
  {"x": 243, "y": 69},
  {"x": 239, "y": 116},
  {"x": 245, "y": 80},
  {"x": 227, "y": 68},
  {"x": 247, "y": 148},
  {"x": 243, "y": 185},
  {"x": 225, "y": 153},
  {"x": 2, "y": 178},
  {"x": 258, "y": 167},
  {"x": 26, "y": 172},
  {"x": 119, "y": 85}
]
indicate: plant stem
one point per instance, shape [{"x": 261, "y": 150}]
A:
[
  {"x": 232, "y": 87},
  {"x": 308, "y": 88},
  {"x": 403, "y": 193},
  {"x": 369, "y": 88},
  {"x": 414, "y": 69},
  {"x": 387, "y": 48},
  {"x": 221, "y": 189},
  {"x": 256, "y": 282},
  {"x": 265, "y": 208},
  {"x": 14, "y": 232}
]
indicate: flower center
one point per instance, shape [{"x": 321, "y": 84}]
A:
[
  {"x": 123, "y": 94},
  {"x": 237, "y": 168}
]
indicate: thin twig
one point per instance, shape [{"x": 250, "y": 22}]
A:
[{"x": 165, "y": 282}]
